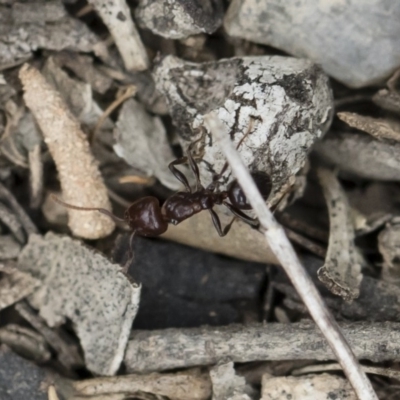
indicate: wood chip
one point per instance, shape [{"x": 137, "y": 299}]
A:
[{"x": 192, "y": 384}]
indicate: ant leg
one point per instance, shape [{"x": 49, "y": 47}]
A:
[
  {"x": 239, "y": 214},
  {"x": 217, "y": 223},
  {"x": 100, "y": 210},
  {"x": 179, "y": 174},
  {"x": 193, "y": 165}
]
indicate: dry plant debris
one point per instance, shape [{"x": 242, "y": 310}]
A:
[
  {"x": 378, "y": 128},
  {"x": 117, "y": 16},
  {"x": 25, "y": 342},
  {"x": 244, "y": 242},
  {"x": 145, "y": 146},
  {"x": 341, "y": 272},
  {"x": 80, "y": 178},
  {"x": 102, "y": 108},
  {"x": 192, "y": 384},
  {"x": 28, "y": 27},
  {"x": 309, "y": 387},
  {"x": 15, "y": 285},
  {"x": 86, "y": 288},
  {"x": 184, "y": 348}
]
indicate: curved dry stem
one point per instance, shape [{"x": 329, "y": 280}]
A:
[{"x": 283, "y": 250}]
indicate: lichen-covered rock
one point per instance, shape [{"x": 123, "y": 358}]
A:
[
  {"x": 345, "y": 37},
  {"x": 286, "y": 103},
  {"x": 178, "y": 19}
]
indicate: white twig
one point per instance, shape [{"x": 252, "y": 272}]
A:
[
  {"x": 117, "y": 16},
  {"x": 285, "y": 253}
]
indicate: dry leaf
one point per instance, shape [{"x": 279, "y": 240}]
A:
[
  {"x": 141, "y": 140},
  {"x": 341, "y": 272},
  {"x": 82, "y": 285},
  {"x": 242, "y": 242}
]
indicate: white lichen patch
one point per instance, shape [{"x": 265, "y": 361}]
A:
[
  {"x": 83, "y": 286},
  {"x": 286, "y": 102}
]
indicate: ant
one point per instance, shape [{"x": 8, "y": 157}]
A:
[{"x": 147, "y": 218}]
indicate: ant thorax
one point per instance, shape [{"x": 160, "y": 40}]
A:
[{"x": 183, "y": 205}]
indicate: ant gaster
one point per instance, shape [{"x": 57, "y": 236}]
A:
[{"x": 147, "y": 218}]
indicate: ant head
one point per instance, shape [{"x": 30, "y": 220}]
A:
[
  {"x": 145, "y": 218},
  {"x": 237, "y": 197}
]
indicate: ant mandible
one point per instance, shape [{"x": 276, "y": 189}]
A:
[{"x": 147, "y": 218}]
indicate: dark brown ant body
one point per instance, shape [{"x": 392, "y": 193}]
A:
[{"x": 147, "y": 218}]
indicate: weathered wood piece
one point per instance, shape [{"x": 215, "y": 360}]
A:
[
  {"x": 179, "y": 348},
  {"x": 191, "y": 384}
]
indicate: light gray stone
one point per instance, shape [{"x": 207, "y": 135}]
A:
[{"x": 355, "y": 41}]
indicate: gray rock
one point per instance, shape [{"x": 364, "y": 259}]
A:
[
  {"x": 179, "y": 19},
  {"x": 19, "y": 378},
  {"x": 187, "y": 287},
  {"x": 355, "y": 41},
  {"x": 285, "y": 102},
  {"x": 361, "y": 155}
]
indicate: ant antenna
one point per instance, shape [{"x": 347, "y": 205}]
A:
[{"x": 101, "y": 210}]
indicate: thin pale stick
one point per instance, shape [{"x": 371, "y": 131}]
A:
[{"x": 285, "y": 253}]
